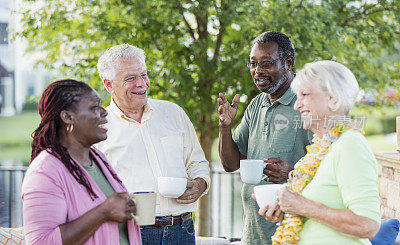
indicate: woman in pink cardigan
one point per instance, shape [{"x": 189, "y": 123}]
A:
[{"x": 70, "y": 193}]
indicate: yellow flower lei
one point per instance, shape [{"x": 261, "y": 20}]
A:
[{"x": 304, "y": 171}]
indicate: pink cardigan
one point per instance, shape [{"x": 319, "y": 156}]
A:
[{"x": 51, "y": 197}]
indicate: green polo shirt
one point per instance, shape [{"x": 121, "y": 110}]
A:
[{"x": 268, "y": 130}]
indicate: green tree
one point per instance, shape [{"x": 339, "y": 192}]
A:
[{"x": 197, "y": 48}]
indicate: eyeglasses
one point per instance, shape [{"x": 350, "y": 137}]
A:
[{"x": 262, "y": 64}]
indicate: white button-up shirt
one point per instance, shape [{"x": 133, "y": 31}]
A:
[{"x": 163, "y": 144}]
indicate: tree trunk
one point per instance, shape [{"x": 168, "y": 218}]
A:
[{"x": 203, "y": 213}]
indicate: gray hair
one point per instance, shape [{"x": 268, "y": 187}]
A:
[
  {"x": 332, "y": 77},
  {"x": 106, "y": 64}
]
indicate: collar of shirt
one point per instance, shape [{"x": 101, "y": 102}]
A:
[
  {"x": 286, "y": 98},
  {"x": 148, "y": 109}
]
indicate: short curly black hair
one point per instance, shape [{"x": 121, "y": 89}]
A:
[{"x": 285, "y": 45}]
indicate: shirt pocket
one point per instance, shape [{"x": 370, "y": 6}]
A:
[
  {"x": 173, "y": 155},
  {"x": 283, "y": 140}
]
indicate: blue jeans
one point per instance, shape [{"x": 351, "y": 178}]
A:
[{"x": 182, "y": 234}]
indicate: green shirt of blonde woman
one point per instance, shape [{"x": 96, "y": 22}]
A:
[
  {"x": 268, "y": 130},
  {"x": 347, "y": 178}
]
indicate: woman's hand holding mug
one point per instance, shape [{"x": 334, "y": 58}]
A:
[{"x": 118, "y": 207}]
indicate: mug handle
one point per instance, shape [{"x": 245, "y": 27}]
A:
[
  {"x": 264, "y": 175},
  {"x": 135, "y": 217}
]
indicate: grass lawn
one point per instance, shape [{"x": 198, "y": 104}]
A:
[
  {"x": 15, "y": 138},
  {"x": 15, "y": 135},
  {"x": 382, "y": 142}
]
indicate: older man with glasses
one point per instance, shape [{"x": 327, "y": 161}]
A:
[{"x": 270, "y": 128}]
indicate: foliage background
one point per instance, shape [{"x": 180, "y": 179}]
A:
[{"x": 198, "y": 48}]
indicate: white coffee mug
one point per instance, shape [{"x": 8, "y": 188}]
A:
[
  {"x": 252, "y": 171},
  {"x": 171, "y": 187},
  {"x": 267, "y": 194},
  {"x": 145, "y": 207}
]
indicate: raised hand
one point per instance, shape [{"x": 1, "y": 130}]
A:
[
  {"x": 118, "y": 207},
  {"x": 226, "y": 111}
]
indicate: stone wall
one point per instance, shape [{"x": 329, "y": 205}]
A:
[
  {"x": 390, "y": 183},
  {"x": 390, "y": 180}
]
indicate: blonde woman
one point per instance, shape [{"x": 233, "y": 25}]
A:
[{"x": 332, "y": 195}]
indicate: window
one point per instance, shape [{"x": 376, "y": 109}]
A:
[{"x": 3, "y": 33}]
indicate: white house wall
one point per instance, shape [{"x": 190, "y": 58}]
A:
[{"x": 28, "y": 82}]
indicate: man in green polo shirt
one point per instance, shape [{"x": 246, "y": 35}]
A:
[{"x": 270, "y": 128}]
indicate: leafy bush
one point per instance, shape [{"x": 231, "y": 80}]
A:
[
  {"x": 30, "y": 105},
  {"x": 388, "y": 124},
  {"x": 372, "y": 126}
]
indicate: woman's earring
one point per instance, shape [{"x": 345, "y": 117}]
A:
[{"x": 70, "y": 127}]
